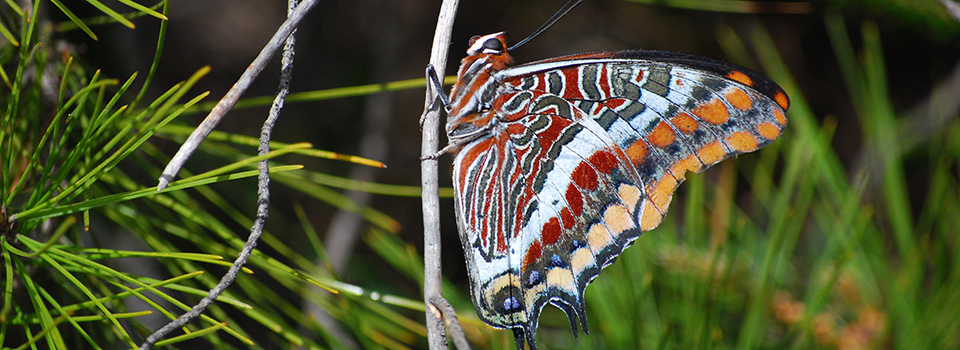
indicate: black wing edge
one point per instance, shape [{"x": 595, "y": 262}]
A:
[{"x": 761, "y": 83}]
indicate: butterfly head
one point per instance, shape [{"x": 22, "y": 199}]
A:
[
  {"x": 491, "y": 47},
  {"x": 490, "y": 44},
  {"x": 472, "y": 96}
]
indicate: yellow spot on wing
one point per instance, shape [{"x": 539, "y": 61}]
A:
[
  {"x": 630, "y": 195},
  {"x": 598, "y": 237},
  {"x": 617, "y": 219},
  {"x": 562, "y": 278},
  {"x": 533, "y": 292},
  {"x": 489, "y": 294},
  {"x": 581, "y": 260},
  {"x": 651, "y": 216},
  {"x": 504, "y": 281}
]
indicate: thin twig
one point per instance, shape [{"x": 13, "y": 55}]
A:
[
  {"x": 952, "y": 8},
  {"x": 263, "y": 192},
  {"x": 451, "y": 322},
  {"x": 428, "y": 170},
  {"x": 230, "y": 99}
]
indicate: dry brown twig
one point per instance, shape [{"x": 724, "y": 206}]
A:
[{"x": 294, "y": 14}]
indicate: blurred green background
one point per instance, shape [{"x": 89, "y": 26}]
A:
[{"x": 843, "y": 234}]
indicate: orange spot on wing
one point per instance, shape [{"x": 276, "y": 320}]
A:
[
  {"x": 684, "y": 122},
  {"x": 713, "y": 112},
  {"x": 532, "y": 254},
  {"x": 739, "y": 76},
  {"x": 637, "y": 151},
  {"x": 651, "y": 216},
  {"x": 780, "y": 117},
  {"x": 739, "y": 99},
  {"x": 768, "y": 130},
  {"x": 690, "y": 163},
  {"x": 742, "y": 141},
  {"x": 661, "y": 136},
  {"x": 663, "y": 192},
  {"x": 598, "y": 237},
  {"x": 782, "y": 100},
  {"x": 711, "y": 153}
]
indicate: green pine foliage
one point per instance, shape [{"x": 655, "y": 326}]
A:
[{"x": 79, "y": 155}]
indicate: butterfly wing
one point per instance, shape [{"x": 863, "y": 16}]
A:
[
  {"x": 538, "y": 201},
  {"x": 670, "y": 112},
  {"x": 585, "y": 155}
]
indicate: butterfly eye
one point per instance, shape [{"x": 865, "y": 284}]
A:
[{"x": 493, "y": 46}]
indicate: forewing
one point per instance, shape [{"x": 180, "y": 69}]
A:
[{"x": 670, "y": 112}]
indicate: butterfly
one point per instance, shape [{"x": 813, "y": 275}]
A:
[{"x": 562, "y": 163}]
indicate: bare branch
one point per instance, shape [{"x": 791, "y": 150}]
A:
[
  {"x": 428, "y": 170},
  {"x": 263, "y": 191},
  {"x": 451, "y": 322},
  {"x": 952, "y": 8},
  {"x": 230, "y": 99}
]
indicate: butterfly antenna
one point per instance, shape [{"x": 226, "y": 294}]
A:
[{"x": 550, "y": 22}]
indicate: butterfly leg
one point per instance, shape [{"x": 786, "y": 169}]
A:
[
  {"x": 438, "y": 87},
  {"x": 435, "y": 79},
  {"x": 449, "y": 147},
  {"x": 456, "y": 143}
]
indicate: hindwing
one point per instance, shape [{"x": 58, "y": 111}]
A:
[{"x": 543, "y": 204}]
